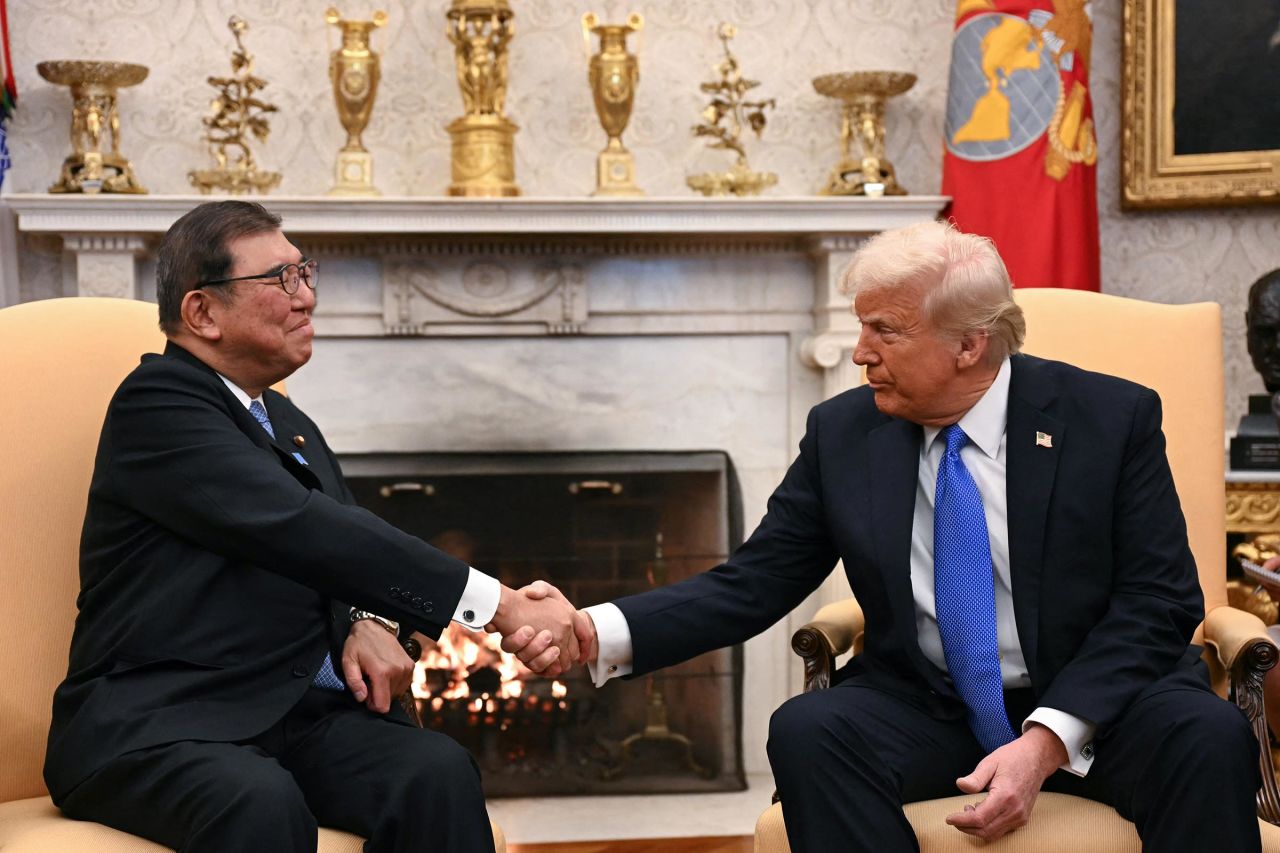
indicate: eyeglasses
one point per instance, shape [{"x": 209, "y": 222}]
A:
[{"x": 287, "y": 276}]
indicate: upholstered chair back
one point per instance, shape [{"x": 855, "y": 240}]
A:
[
  {"x": 60, "y": 362},
  {"x": 1176, "y": 350}
]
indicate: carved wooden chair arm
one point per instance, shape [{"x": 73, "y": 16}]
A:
[
  {"x": 414, "y": 650},
  {"x": 836, "y": 629},
  {"x": 1246, "y": 651}
]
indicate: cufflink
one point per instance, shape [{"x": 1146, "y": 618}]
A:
[
  {"x": 1086, "y": 751},
  {"x": 468, "y": 616},
  {"x": 300, "y": 441},
  {"x": 613, "y": 668}
]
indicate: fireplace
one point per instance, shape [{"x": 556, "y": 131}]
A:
[{"x": 598, "y": 525}]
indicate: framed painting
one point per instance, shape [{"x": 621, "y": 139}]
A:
[{"x": 1201, "y": 103}]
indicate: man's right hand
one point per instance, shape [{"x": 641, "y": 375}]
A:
[
  {"x": 539, "y": 629},
  {"x": 531, "y": 646}
]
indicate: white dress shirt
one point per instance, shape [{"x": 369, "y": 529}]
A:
[
  {"x": 984, "y": 456},
  {"x": 481, "y": 594}
]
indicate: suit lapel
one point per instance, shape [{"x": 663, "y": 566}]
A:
[
  {"x": 894, "y": 461},
  {"x": 287, "y": 450},
  {"x": 1033, "y": 443}
]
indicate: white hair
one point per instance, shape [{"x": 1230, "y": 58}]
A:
[{"x": 965, "y": 285}]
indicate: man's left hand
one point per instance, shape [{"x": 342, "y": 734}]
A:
[
  {"x": 1012, "y": 776},
  {"x": 374, "y": 654}
]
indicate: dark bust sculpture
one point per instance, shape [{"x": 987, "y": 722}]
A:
[
  {"x": 1256, "y": 445},
  {"x": 1263, "y": 321}
]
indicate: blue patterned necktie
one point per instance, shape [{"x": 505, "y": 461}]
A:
[
  {"x": 326, "y": 677},
  {"x": 964, "y": 593}
]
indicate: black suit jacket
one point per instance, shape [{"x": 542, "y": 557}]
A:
[
  {"x": 1105, "y": 591},
  {"x": 215, "y": 571}
]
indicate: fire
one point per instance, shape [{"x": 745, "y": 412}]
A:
[{"x": 458, "y": 656}]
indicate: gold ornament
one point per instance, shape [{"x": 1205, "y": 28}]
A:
[
  {"x": 483, "y": 139},
  {"x": 728, "y": 104},
  {"x": 93, "y": 113},
  {"x": 237, "y": 113},
  {"x": 354, "y": 70},
  {"x": 613, "y": 74},
  {"x": 863, "y": 94}
]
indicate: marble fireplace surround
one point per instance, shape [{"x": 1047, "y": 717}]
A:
[{"x": 553, "y": 325}]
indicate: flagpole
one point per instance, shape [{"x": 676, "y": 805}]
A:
[{"x": 8, "y": 222}]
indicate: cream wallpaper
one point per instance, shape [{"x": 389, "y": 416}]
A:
[{"x": 1168, "y": 257}]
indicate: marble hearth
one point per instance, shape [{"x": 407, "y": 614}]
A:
[{"x": 448, "y": 326}]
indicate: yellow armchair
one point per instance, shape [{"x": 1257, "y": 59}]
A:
[
  {"x": 1177, "y": 350},
  {"x": 60, "y": 362}
]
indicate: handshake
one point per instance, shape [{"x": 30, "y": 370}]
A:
[{"x": 541, "y": 628}]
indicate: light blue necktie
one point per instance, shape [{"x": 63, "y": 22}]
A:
[
  {"x": 964, "y": 592},
  {"x": 326, "y": 677}
]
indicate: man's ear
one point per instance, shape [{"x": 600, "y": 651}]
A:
[
  {"x": 973, "y": 349},
  {"x": 199, "y": 311}
]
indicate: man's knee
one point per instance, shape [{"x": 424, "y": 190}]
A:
[
  {"x": 802, "y": 726},
  {"x": 435, "y": 765},
  {"x": 267, "y": 798},
  {"x": 1208, "y": 737}
]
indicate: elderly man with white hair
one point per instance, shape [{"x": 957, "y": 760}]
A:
[{"x": 1011, "y": 530}]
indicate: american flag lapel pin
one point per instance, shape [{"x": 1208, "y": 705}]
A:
[{"x": 1043, "y": 439}]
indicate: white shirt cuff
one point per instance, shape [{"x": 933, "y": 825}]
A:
[
  {"x": 479, "y": 601},
  {"x": 613, "y": 643},
  {"x": 1075, "y": 733}
]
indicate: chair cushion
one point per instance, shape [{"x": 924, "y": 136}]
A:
[
  {"x": 36, "y": 826},
  {"x": 1059, "y": 824}
]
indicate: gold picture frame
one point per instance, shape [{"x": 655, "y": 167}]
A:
[{"x": 1156, "y": 173}]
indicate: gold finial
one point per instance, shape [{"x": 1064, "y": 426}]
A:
[
  {"x": 614, "y": 74},
  {"x": 724, "y": 118},
  {"x": 237, "y": 113}
]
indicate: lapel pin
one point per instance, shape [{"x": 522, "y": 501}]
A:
[
  {"x": 1043, "y": 439},
  {"x": 302, "y": 442}
]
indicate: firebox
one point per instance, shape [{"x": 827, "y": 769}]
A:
[{"x": 598, "y": 526}]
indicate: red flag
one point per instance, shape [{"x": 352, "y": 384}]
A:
[{"x": 1021, "y": 151}]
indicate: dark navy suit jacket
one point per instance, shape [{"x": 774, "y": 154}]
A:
[
  {"x": 216, "y": 571},
  {"x": 1105, "y": 589}
]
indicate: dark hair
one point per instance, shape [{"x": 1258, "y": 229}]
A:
[{"x": 194, "y": 249}]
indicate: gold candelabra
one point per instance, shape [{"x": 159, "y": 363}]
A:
[
  {"x": 354, "y": 70},
  {"x": 88, "y": 169},
  {"x": 236, "y": 114},
  {"x": 483, "y": 162},
  {"x": 724, "y": 120},
  {"x": 863, "y": 94},
  {"x": 613, "y": 74}
]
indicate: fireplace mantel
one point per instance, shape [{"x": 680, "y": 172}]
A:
[{"x": 153, "y": 214}]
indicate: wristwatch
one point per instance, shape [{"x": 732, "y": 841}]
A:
[{"x": 361, "y": 615}]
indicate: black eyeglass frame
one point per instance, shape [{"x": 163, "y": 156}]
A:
[{"x": 281, "y": 276}]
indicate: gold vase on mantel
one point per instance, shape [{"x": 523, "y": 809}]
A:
[
  {"x": 613, "y": 74},
  {"x": 483, "y": 162},
  {"x": 863, "y": 94},
  {"x": 94, "y": 114},
  {"x": 354, "y": 70}
]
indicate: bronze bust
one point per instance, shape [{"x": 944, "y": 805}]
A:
[
  {"x": 1262, "y": 319},
  {"x": 1256, "y": 445}
]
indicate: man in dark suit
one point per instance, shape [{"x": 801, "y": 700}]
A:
[
  {"x": 1010, "y": 528},
  {"x": 229, "y": 686}
]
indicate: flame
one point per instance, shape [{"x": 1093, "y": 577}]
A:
[
  {"x": 460, "y": 652},
  {"x": 558, "y": 690}
]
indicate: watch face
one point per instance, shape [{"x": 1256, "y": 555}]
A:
[{"x": 361, "y": 615}]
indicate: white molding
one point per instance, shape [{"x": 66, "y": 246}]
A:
[{"x": 808, "y": 215}]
